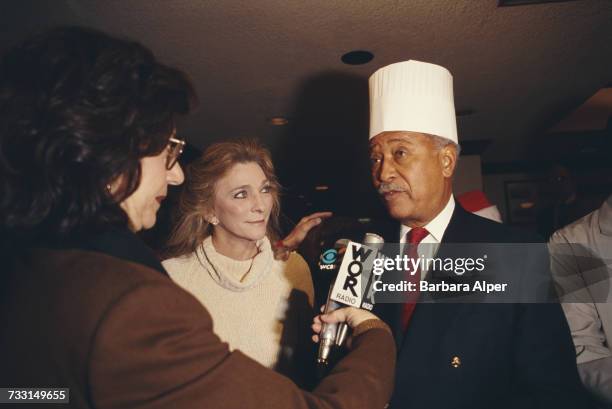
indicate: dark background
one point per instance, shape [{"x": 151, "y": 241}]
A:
[{"x": 532, "y": 89}]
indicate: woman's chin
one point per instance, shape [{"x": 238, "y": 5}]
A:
[{"x": 257, "y": 235}]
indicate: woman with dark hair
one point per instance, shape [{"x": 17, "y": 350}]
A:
[
  {"x": 88, "y": 147},
  {"x": 221, "y": 253}
]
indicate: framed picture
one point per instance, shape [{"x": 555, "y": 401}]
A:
[{"x": 521, "y": 201}]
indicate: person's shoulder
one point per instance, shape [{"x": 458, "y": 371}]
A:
[
  {"x": 297, "y": 272},
  {"x": 577, "y": 231},
  {"x": 295, "y": 265},
  {"x": 296, "y": 259},
  {"x": 92, "y": 265},
  {"x": 482, "y": 229},
  {"x": 86, "y": 282},
  {"x": 179, "y": 265},
  {"x": 114, "y": 279}
]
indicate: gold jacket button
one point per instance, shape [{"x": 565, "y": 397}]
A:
[{"x": 456, "y": 362}]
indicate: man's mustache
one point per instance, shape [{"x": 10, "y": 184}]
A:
[{"x": 390, "y": 187}]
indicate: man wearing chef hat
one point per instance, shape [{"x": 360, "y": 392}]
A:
[{"x": 455, "y": 355}]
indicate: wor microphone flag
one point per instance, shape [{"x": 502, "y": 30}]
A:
[{"x": 355, "y": 276}]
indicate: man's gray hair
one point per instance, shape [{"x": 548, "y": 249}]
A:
[{"x": 440, "y": 143}]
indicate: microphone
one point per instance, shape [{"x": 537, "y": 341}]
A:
[
  {"x": 329, "y": 260},
  {"x": 343, "y": 291},
  {"x": 368, "y": 301},
  {"x": 355, "y": 273}
]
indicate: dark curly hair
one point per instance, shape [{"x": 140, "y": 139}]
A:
[{"x": 79, "y": 108}]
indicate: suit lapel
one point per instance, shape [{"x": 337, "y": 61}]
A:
[
  {"x": 430, "y": 320},
  {"x": 457, "y": 227},
  {"x": 391, "y": 312}
]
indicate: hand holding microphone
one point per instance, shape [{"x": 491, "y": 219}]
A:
[
  {"x": 328, "y": 332},
  {"x": 347, "y": 290},
  {"x": 349, "y": 315}
]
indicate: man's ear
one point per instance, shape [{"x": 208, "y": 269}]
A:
[{"x": 448, "y": 160}]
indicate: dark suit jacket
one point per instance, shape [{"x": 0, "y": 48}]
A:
[
  {"x": 120, "y": 334},
  {"x": 511, "y": 355}
]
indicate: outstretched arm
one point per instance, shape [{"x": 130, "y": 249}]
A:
[{"x": 156, "y": 349}]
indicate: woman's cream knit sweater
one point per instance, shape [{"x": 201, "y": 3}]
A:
[{"x": 261, "y": 306}]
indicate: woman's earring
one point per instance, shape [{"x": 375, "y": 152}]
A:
[
  {"x": 214, "y": 221},
  {"x": 109, "y": 188}
]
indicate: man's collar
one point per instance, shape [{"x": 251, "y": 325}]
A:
[
  {"x": 438, "y": 225},
  {"x": 605, "y": 217}
]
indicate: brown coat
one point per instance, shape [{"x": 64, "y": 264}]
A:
[{"x": 122, "y": 335}]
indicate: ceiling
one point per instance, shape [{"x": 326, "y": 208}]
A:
[
  {"x": 593, "y": 114},
  {"x": 519, "y": 69}
]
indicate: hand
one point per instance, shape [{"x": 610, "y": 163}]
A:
[
  {"x": 297, "y": 235},
  {"x": 352, "y": 316}
]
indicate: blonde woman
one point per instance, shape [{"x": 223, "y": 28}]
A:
[{"x": 221, "y": 252}]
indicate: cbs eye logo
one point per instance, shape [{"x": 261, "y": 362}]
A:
[{"x": 329, "y": 256}]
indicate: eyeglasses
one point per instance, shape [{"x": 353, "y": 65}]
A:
[{"x": 175, "y": 148}]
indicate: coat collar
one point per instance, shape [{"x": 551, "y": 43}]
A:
[
  {"x": 437, "y": 226},
  {"x": 427, "y": 317},
  {"x": 455, "y": 231},
  {"x": 116, "y": 242}
]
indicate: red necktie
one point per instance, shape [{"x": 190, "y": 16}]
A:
[{"x": 413, "y": 238}]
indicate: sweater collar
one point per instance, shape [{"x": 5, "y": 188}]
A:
[{"x": 236, "y": 275}]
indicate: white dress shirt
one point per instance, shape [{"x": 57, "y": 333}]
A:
[{"x": 436, "y": 228}]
